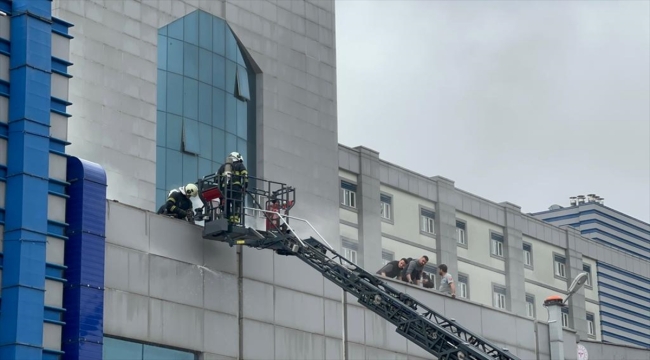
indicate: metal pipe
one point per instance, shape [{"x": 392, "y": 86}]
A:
[{"x": 536, "y": 340}]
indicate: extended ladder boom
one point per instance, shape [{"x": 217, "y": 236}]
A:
[{"x": 431, "y": 331}]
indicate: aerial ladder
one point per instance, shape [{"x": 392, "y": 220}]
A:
[{"x": 224, "y": 214}]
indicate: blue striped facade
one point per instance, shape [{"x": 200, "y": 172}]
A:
[
  {"x": 624, "y": 306},
  {"x": 28, "y": 190}
]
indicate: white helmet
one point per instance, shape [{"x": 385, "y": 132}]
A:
[
  {"x": 191, "y": 190},
  {"x": 235, "y": 156}
]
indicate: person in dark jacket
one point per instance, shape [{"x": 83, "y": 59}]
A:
[
  {"x": 392, "y": 269},
  {"x": 234, "y": 181},
  {"x": 179, "y": 201}
]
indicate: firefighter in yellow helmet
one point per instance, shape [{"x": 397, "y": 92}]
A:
[{"x": 234, "y": 180}]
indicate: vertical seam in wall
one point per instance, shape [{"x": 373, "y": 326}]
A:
[{"x": 240, "y": 306}]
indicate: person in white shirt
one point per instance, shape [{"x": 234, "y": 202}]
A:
[{"x": 447, "y": 284}]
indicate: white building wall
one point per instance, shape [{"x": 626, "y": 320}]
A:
[{"x": 478, "y": 240}]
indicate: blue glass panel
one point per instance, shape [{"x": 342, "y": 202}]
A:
[
  {"x": 191, "y": 60},
  {"x": 205, "y": 30},
  {"x": 219, "y": 36},
  {"x": 175, "y": 56},
  {"x": 175, "y": 29},
  {"x": 231, "y": 75},
  {"x": 205, "y": 167},
  {"x": 163, "y": 31},
  {"x": 231, "y": 45},
  {"x": 190, "y": 168},
  {"x": 217, "y": 164},
  {"x": 158, "y": 353},
  {"x": 219, "y": 108},
  {"x": 242, "y": 148},
  {"x": 174, "y": 93},
  {"x": 240, "y": 57},
  {"x": 191, "y": 140},
  {"x": 231, "y": 143},
  {"x": 242, "y": 119},
  {"x": 205, "y": 136},
  {"x": 161, "y": 102},
  {"x": 191, "y": 28},
  {"x": 243, "y": 90},
  {"x": 162, "y": 52},
  {"x": 231, "y": 114},
  {"x": 173, "y": 172},
  {"x": 191, "y": 98},
  {"x": 219, "y": 72},
  {"x": 161, "y": 198},
  {"x": 174, "y": 131},
  {"x": 205, "y": 66},
  {"x": 205, "y": 103},
  {"x": 161, "y": 128},
  {"x": 218, "y": 145},
  {"x": 161, "y": 168},
  {"x": 114, "y": 349}
]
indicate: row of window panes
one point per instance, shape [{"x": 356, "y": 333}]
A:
[
  {"x": 530, "y": 312},
  {"x": 348, "y": 196}
]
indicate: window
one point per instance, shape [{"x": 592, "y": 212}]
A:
[
  {"x": 115, "y": 349},
  {"x": 497, "y": 244},
  {"x": 386, "y": 257},
  {"x": 460, "y": 233},
  {"x": 463, "y": 286},
  {"x": 350, "y": 249},
  {"x": 191, "y": 136},
  {"x": 528, "y": 255},
  {"x": 243, "y": 91},
  {"x": 530, "y": 306},
  {"x": 587, "y": 268},
  {"x": 431, "y": 270},
  {"x": 560, "y": 266},
  {"x": 348, "y": 194},
  {"x": 386, "y": 207},
  {"x": 427, "y": 224},
  {"x": 499, "y": 297},
  {"x": 565, "y": 317},
  {"x": 591, "y": 326}
]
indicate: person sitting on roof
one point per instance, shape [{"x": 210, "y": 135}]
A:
[
  {"x": 178, "y": 201},
  {"x": 233, "y": 177}
]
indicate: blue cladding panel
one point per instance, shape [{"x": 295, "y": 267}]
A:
[
  {"x": 83, "y": 296},
  {"x": 23, "y": 277}
]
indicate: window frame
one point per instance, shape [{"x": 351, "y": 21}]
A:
[
  {"x": 564, "y": 313},
  {"x": 492, "y": 246},
  {"x": 587, "y": 268},
  {"x": 464, "y": 232},
  {"x": 462, "y": 276},
  {"x": 502, "y": 291},
  {"x": 557, "y": 267},
  {"x": 391, "y": 214},
  {"x": 422, "y": 221},
  {"x": 387, "y": 256},
  {"x": 351, "y": 246},
  {"x": 431, "y": 269},
  {"x": 530, "y": 266},
  {"x": 531, "y": 297},
  {"x": 242, "y": 93},
  {"x": 591, "y": 322},
  {"x": 342, "y": 194}
]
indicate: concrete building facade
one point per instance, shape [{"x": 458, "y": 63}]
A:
[
  {"x": 624, "y": 294},
  {"x": 500, "y": 257},
  {"x": 92, "y": 123}
]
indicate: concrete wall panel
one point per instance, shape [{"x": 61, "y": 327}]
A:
[
  {"x": 264, "y": 335},
  {"x": 292, "y": 344},
  {"x": 176, "y": 325},
  {"x": 219, "y": 336},
  {"x": 126, "y": 315},
  {"x": 127, "y": 270}
]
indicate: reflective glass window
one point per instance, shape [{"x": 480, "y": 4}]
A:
[
  {"x": 242, "y": 119},
  {"x": 173, "y": 172},
  {"x": 231, "y": 76},
  {"x": 161, "y": 100},
  {"x": 115, "y": 349},
  {"x": 190, "y": 98},
  {"x": 174, "y": 131},
  {"x": 162, "y": 52},
  {"x": 191, "y": 28},
  {"x": 218, "y": 145},
  {"x": 231, "y": 114},
  {"x": 205, "y": 135},
  {"x": 175, "y": 56},
  {"x": 161, "y": 128},
  {"x": 205, "y": 103},
  {"x": 191, "y": 140},
  {"x": 219, "y": 36},
  {"x": 161, "y": 166},
  {"x": 219, "y": 108},
  {"x": 242, "y": 84},
  {"x": 231, "y": 142},
  {"x": 219, "y": 72},
  {"x": 205, "y": 30},
  {"x": 205, "y": 66},
  {"x": 231, "y": 45},
  {"x": 174, "y": 94},
  {"x": 205, "y": 167},
  {"x": 190, "y": 168},
  {"x": 175, "y": 29},
  {"x": 191, "y": 60}
]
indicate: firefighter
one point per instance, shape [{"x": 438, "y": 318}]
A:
[
  {"x": 179, "y": 201},
  {"x": 234, "y": 180},
  {"x": 273, "y": 222}
]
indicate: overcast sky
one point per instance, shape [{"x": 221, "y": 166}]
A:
[{"x": 519, "y": 101}]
